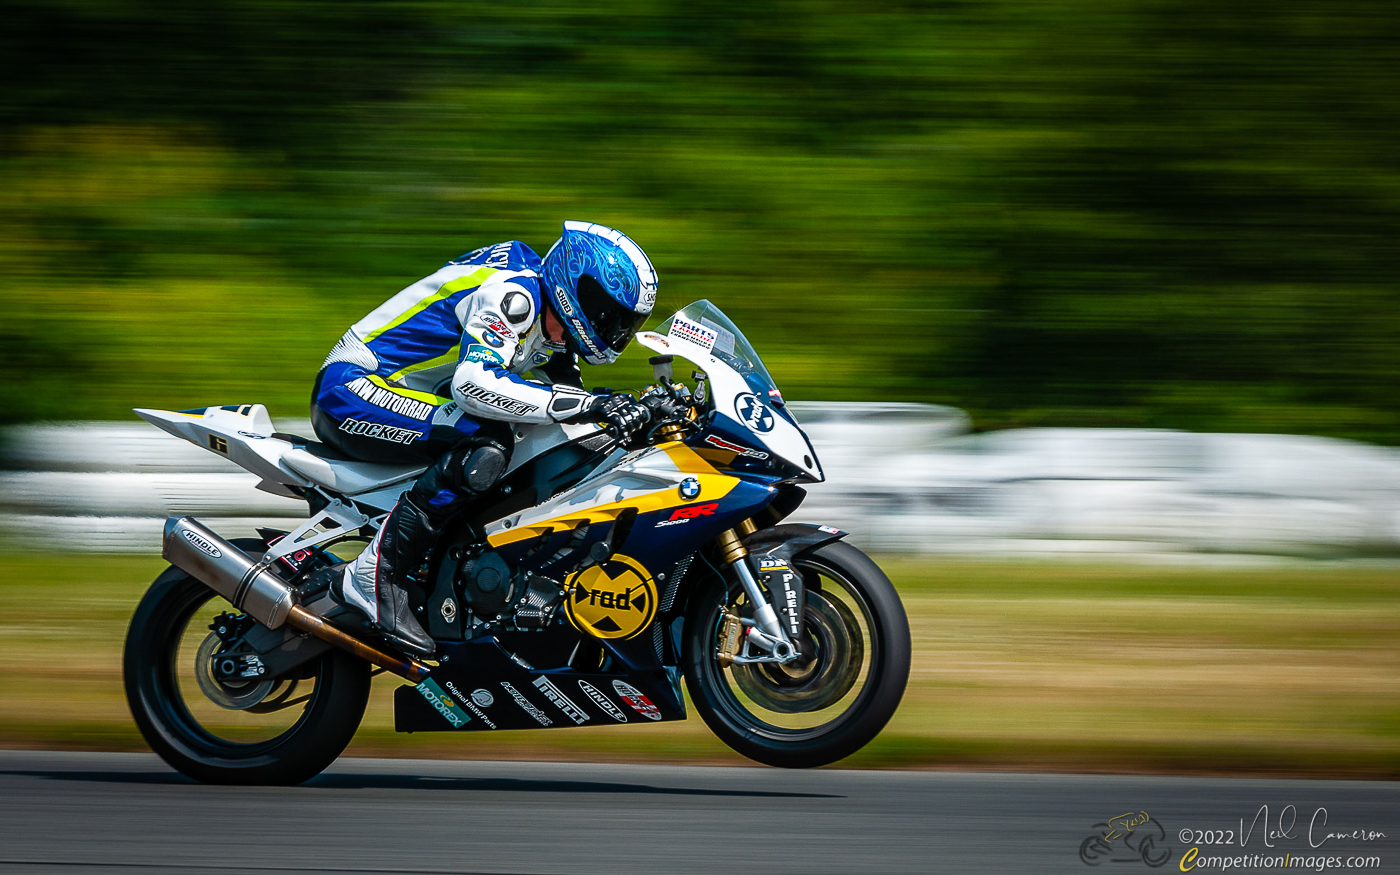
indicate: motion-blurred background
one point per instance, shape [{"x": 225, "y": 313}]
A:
[
  {"x": 1122, "y": 212},
  {"x": 1127, "y": 214}
]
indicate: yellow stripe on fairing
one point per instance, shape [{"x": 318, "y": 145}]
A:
[
  {"x": 688, "y": 461},
  {"x": 713, "y": 487},
  {"x": 447, "y": 290}
]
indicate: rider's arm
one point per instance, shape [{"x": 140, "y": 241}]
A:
[
  {"x": 562, "y": 370},
  {"x": 495, "y": 318}
]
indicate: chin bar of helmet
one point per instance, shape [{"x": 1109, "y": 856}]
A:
[{"x": 255, "y": 590}]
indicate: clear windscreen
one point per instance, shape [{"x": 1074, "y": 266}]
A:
[{"x": 704, "y": 324}]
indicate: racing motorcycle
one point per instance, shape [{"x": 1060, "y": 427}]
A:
[{"x": 601, "y": 569}]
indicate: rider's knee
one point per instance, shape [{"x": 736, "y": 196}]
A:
[
  {"x": 465, "y": 472},
  {"x": 481, "y": 467}
]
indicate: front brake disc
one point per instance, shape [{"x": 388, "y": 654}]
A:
[{"x": 810, "y": 683}]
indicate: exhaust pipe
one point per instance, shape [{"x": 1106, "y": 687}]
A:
[{"x": 261, "y": 594}]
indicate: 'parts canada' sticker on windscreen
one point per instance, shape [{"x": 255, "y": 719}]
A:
[
  {"x": 694, "y": 332},
  {"x": 615, "y": 599}
]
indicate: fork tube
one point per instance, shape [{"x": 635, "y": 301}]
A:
[{"x": 736, "y": 554}]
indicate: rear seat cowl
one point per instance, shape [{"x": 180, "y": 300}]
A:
[{"x": 345, "y": 476}]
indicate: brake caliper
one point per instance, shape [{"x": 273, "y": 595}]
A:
[
  {"x": 228, "y": 665},
  {"x": 731, "y": 637}
]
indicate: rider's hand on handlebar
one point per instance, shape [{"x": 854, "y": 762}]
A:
[{"x": 624, "y": 413}]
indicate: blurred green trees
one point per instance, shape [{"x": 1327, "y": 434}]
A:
[{"x": 1122, "y": 212}]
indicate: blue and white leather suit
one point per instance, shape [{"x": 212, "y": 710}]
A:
[{"x": 443, "y": 359}]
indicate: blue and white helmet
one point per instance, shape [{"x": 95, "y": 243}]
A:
[{"x": 601, "y": 286}]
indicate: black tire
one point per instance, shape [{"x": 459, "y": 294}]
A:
[
  {"x": 322, "y": 729},
  {"x": 865, "y": 711}
]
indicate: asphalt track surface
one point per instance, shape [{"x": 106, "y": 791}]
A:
[{"x": 128, "y": 813}]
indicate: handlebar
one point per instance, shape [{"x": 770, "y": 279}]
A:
[{"x": 672, "y": 415}]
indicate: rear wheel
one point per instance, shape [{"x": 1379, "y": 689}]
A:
[
  {"x": 256, "y": 731},
  {"x": 833, "y": 699}
]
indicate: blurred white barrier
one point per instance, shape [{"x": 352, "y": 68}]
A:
[
  {"x": 901, "y": 477},
  {"x": 107, "y": 493},
  {"x": 108, "y": 487},
  {"x": 1122, "y": 491}
]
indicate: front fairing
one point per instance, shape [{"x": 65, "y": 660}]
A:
[{"x": 747, "y": 426}]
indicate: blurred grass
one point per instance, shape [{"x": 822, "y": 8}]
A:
[
  {"x": 1283, "y": 669},
  {"x": 1168, "y": 213}
]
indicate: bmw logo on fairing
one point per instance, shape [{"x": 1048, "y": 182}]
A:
[
  {"x": 690, "y": 488},
  {"x": 753, "y": 412}
]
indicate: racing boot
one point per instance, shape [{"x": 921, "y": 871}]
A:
[{"x": 375, "y": 583}]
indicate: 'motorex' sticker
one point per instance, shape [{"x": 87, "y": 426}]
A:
[{"x": 443, "y": 703}]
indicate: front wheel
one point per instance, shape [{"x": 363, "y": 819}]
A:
[
  {"x": 274, "y": 731},
  {"x": 837, "y": 696}
]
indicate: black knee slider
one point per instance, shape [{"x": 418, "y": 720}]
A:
[{"x": 481, "y": 467}]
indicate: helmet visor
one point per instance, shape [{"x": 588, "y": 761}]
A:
[{"x": 613, "y": 323}]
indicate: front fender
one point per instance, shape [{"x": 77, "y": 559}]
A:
[{"x": 789, "y": 540}]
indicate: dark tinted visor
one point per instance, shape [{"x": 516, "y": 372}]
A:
[{"x": 613, "y": 323}]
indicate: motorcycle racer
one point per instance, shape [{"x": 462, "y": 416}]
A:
[{"x": 439, "y": 372}]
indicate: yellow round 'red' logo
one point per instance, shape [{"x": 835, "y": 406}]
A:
[{"x": 616, "y": 599}]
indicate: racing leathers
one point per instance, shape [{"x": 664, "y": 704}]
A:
[
  {"x": 436, "y": 374},
  {"x": 446, "y": 359}
]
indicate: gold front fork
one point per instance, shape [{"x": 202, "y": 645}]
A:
[
  {"x": 731, "y": 548},
  {"x": 768, "y": 632},
  {"x": 731, "y": 544}
]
